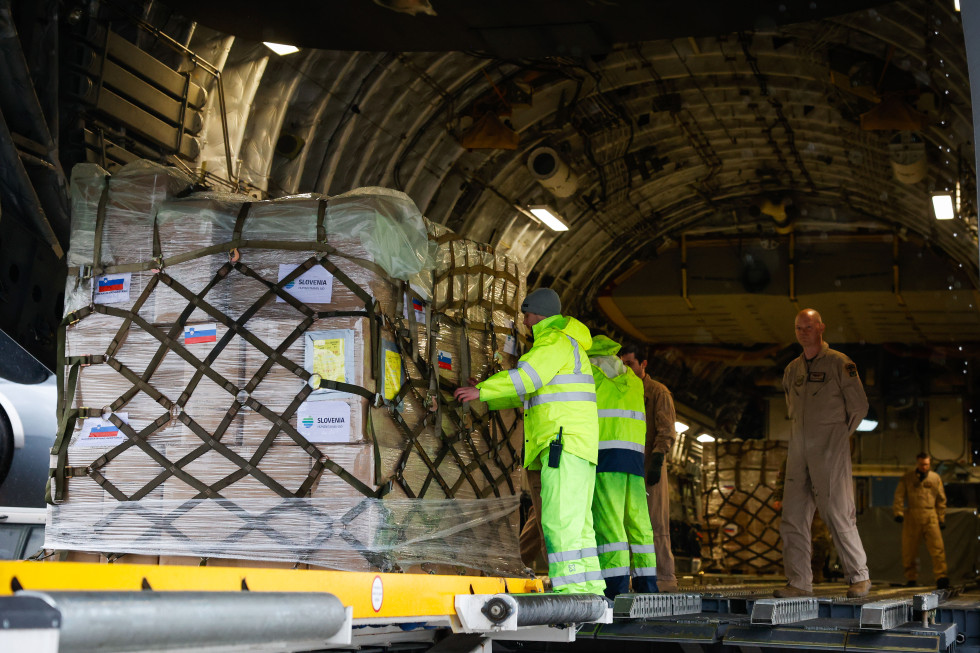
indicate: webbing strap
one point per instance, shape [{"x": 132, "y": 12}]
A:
[
  {"x": 321, "y": 229},
  {"x": 240, "y": 221},
  {"x": 99, "y": 227}
]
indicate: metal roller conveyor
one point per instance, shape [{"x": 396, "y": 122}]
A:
[
  {"x": 652, "y": 606},
  {"x": 774, "y": 612},
  {"x": 102, "y": 622},
  {"x": 499, "y": 612},
  {"x": 885, "y": 615}
]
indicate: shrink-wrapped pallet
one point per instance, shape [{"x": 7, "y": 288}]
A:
[
  {"x": 742, "y": 526},
  {"x": 280, "y": 389}
]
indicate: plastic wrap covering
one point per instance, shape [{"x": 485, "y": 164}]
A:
[
  {"x": 742, "y": 526},
  {"x": 369, "y": 533},
  {"x": 254, "y": 360}
]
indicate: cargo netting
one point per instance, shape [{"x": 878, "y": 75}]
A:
[
  {"x": 740, "y": 478},
  {"x": 272, "y": 380}
]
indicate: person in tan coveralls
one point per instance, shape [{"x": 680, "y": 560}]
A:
[
  {"x": 825, "y": 401},
  {"x": 925, "y": 518},
  {"x": 823, "y": 543},
  {"x": 659, "y": 406}
]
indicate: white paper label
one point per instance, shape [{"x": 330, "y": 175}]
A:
[
  {"x": 315, "y": 286},
  {"x": 112, "y": 288},
  {"x": 510, "y": 346},
  {"x": 416, "y": 305},
  {"x": 324, "y": 421},
  {"x": 98, "y": 432}
]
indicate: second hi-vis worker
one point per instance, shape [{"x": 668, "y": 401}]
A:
[
  {"x": 553, "y": 381},
  {"x": 619, "y": 508}
]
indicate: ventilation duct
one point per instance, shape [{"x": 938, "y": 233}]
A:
[{"x": 551, "y": 172}]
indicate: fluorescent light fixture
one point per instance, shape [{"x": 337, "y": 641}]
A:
[
  {"x": 942, "y": 205},
  {"x": 868, "y": 425},
  {"x": 548, "y": 217},
  {"x": 680, "y": 427},
  {"x": 706, "y": 437},
  {"x": 280, "y": 48}
]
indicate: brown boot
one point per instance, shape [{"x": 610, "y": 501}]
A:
[
  {"x": 859, "y": 589},
  {"x": 790, "y": 592}
]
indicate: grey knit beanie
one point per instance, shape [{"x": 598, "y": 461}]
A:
[{"x": 543, "y": 301}]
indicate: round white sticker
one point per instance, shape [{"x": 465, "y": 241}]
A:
[{"x": 377, "y": 594}]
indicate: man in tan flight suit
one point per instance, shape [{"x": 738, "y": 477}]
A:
[
  {"x": 820, "y": 537},
  {"x": 925, "y": 518},
  {"x": 659, "y": 406},
  {"x": 825, "y": 401}
]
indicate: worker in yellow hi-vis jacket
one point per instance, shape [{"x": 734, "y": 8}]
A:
[
  {"x": 553, "y": 381},
  {"x": 619, "y": 508}
]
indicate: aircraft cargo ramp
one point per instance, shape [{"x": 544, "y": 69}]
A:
[{"x": 120, "y": 607}]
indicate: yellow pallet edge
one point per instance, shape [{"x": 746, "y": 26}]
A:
[{"x": 372, "y": 595}]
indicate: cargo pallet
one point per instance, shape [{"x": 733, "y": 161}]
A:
[{"x": 65, "y": 606}]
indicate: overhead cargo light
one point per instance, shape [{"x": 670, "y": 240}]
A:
[
  {"x": 942, "y": 206},
  {"x": 680, "y": 427},
  {"x": 548, "y": 217},
  {"x": 280, "y": 48},
  {"x": 706, "y": 437},
  {"x": 867, "y": 425},
  {"x": 956, "y": 5}
]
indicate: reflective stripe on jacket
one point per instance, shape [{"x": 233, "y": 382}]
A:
[
  {"x": 554, "y": 383},
  {"x": 622, "y": 419}
]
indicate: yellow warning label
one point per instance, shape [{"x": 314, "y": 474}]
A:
[
  {"x": 393, "y": 373},
  {"x": 328, "y": 359}
]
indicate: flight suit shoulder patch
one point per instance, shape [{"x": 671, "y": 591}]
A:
[{"x": 851, "y": 369}]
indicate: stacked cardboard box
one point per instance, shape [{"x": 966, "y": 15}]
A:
[
  {"x": 277, "y": 385},
  {"x": 742, "y": 525}
]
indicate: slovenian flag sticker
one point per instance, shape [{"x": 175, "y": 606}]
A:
[
  {"x": 112, "y": 288},
  {"x": 110, "y": 284},
  {"x": 200, "y": 333},
  {"x": 108, "y": 430},
  {"x": 445, "y": 360}
]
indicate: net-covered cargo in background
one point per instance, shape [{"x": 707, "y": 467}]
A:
[
  {"x": 272, "y": 380},
  {"x": 742, "y": 533}
]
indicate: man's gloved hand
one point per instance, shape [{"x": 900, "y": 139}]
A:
[
  {"x": 942, "y": 525},
  {"x": 655, "y": 469},
  {"x": 899, "y": 518}
]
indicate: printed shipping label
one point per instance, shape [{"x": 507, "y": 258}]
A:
[
  {"x": 445, "y": 360},
  {"x": 393, "y": 374},
  {"x": 112, "y": 288},
  {"x": 101, "y": 432},
  {"x": 328, "y": 359},
  {"x": 324, "y": 421},
  {"x": 510, "y": 346},
  {"x": 200, "y": 333},
  {"x": 315, "y": 286}
]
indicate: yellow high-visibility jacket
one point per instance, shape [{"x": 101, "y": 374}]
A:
[
  {"x": 622, "y": 418},
  {"x": 554, "y": 383}
]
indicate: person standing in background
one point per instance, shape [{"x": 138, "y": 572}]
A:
[
  {"x": 660, "y": 416},
  {"x": 924, "y": 519}
]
